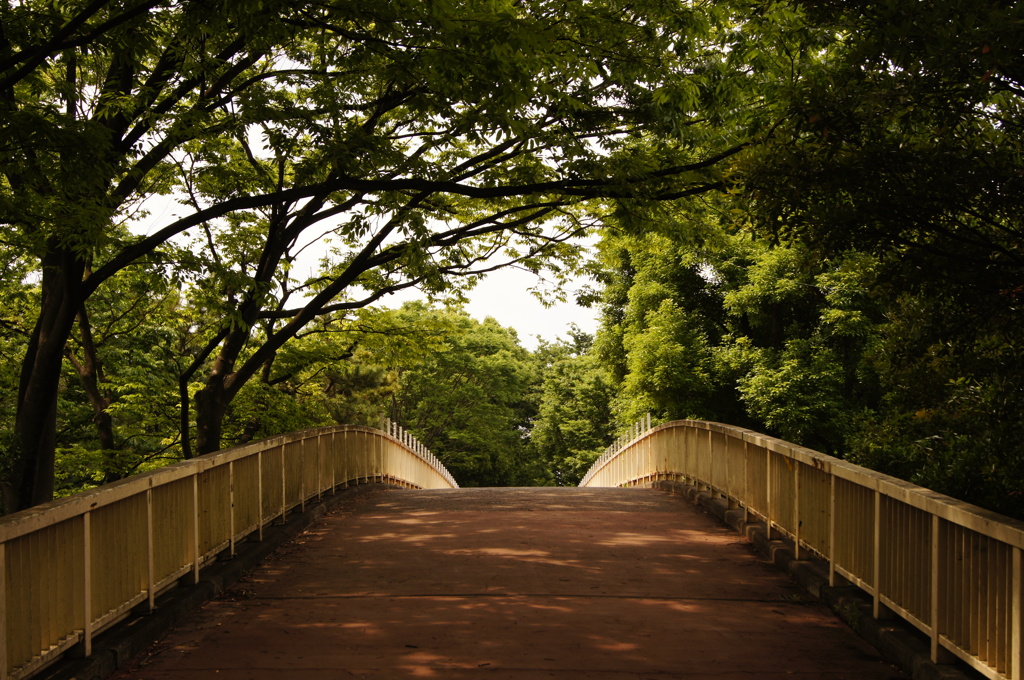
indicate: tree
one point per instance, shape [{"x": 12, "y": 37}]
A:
[
  {"x": 574, "y": 423},
  {"x": 905, "y": 134},
  {"x": 17, "y": 304},
  {"x": 407, "y": 128},
  {"x": 467, "y": 398},
  {"x": 904, "y": 140},
  {"x": 705, "y": 320},
  {"x": 952, "y": 380},
  {"x": 339, "y": 370},
  {"x": 124, "y": 354},
  {"x": 664, "y": 318}
]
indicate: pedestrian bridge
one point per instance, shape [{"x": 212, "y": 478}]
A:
[{"x": 596, "y": 582}]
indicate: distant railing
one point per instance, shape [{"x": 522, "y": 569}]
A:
[
  {"x": 951, "y": 569},
  {"x": 74, "y": 566}
]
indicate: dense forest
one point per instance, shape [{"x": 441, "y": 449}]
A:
[{"x": 808, "y": 217}]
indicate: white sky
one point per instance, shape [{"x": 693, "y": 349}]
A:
[{"x": 504, "y": 294}]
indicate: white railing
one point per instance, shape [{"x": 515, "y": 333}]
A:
[
  {"x": 951, "y": 569},
  {"x": 74, "y": 566}
]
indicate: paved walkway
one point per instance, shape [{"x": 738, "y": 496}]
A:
[{"x": 515, "y": 584}]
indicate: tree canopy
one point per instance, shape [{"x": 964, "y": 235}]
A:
[
  {"x": 809, "y": 221},
  {"x": 424, "y": 137}
]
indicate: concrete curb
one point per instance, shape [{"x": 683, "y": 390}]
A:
[
  {"x": 114, "y": 648},
  {"x": 900, "y": 643}
]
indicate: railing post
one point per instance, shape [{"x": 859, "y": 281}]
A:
[
  {"x": 284, "y": 484},
  {"x": 652, "y": 458},
  {"x": 936, "y": 601},
  {"x": 302, "y": 476},
  {"x": 1016, "y": 663},
  {"x": 319, "y": 469},
  {"x": 710, "y": 481},
  {"x": 768, "y": 495},
  {"x": 87, "y": 583},
  {"x": 150, "y": 566},
  {"x": 259, "y": 494},
  {"x": 195, "y": 528},
  {"x": 4, "y": 664},
  {"x": 747, "y": 498},
  {"x": 345, "y": 458},
  {"x": 333, "y": 455},
  {"x": 796, "y": 509},
  {"x": 831, "y": 528},
  {"x": 231, "y": 506}
]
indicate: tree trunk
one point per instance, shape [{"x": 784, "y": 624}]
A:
[
  {"x": 35, "y": 428},
  {"x": 90, "y": 370},
  {"x": 211, "y": 406}
]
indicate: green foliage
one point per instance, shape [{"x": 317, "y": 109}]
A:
[
  {"x": 119, "y": 396},
  {"x": 797, "y": 393},
  {"x": 467, "y": 398},
  {"x": 721, "y": 326},
  {"x": 17, "y": 303},
  {"x": 573, "y": 423},
  {"x": 904, "y": 134},
  {"x": 429, "y": 141},
  {"x": 665, "y": 320},
  {"x": 903, "y": 139},
  {"x": 887, "y": 359},
  {"x": 951, "y": 367},
  {"x": 849, "y": 275}
]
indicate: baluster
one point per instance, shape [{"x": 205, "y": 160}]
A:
[{"x": 87, "y": 583}]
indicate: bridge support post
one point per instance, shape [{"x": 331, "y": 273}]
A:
[
  {"x": 259, "y": 495},
  {"x": 87, "y": 584},
  {"x": 768, "y": 493},
  {"x": 1016, "y": 670},
  {"x": 3, "y": 611},
  {"x": 231, "y": 507},
  {"x": 796, "y": 510},
  {"x": 831, "y": 529},
  {"x": 150, "y": 553}
]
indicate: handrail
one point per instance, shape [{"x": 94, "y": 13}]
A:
[
  {"x": 950, "y": 568},
  {"x": 71, "y": 567}
]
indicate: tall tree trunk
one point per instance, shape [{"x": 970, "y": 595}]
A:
[
  {"x": 211, "y": 407},
  {"x": 35, "y": 427},
  {"x": 90, "y": 370},
  {"x": 212, "y": 401}
]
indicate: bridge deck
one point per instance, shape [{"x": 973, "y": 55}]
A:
[{"x": 515, "y": 583}]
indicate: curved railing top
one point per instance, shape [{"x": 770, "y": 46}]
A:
[
  {"x": 950, "y": 568},
  {"x": 952, "y": 509},
  {"x": 18, "y": 523}
]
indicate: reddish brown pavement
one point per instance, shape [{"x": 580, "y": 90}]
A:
[{"x": 515, "y": 584}]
